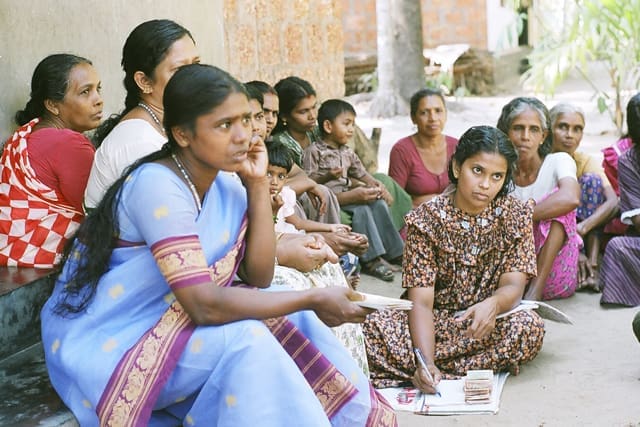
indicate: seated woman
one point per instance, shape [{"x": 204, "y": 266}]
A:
[
  {"x": 46, "y": 163},
  {"x": 297, "y": 128},
  {"x": 419, "y": 162},
  {"x": 151, "y": 54},
  {"x": 550, "y": 180},
  {"x": 621, "y": 262},
  {"x": 598, "y": 201},
  {"x": 468, "y": 257},
  {"x": 171, "y": 342}
]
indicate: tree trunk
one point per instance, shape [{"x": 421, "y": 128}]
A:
[{"x": 400, "y": 59}]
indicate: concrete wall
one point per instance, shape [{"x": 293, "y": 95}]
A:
[
  {"x": 261, "y": 39},
  {"x": 33, "y": 29}
]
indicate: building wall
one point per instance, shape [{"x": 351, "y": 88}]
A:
[
  {"x": 443, "y": 22},
  {"x": 95, "y": 29},
  {"x": 272, "y": 39},
  {"x": 251, "y": 39}
]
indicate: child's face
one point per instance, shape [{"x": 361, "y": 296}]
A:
[
  {"x": 480, "y": 178},
  {"x": 277, "y": 176},
  {"x": 340, "y": 131},
  {"x": 258, "y": 123}
]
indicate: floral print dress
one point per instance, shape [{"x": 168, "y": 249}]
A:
[{"x": 463, "y": 257}]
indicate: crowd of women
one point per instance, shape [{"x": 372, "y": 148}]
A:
[{"x": 176, "y": 299}]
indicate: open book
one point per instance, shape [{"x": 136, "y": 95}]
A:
[
  {"x": 546, "y": 311},
  {"x": 450, "y": 402},
  {"x": 378, "y": 302}
]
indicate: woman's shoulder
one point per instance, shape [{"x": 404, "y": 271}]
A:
[
  {"x": 131, "y": 129},
  {"x": 59, "y": 136},
  {"x": 559, "y": 158},
  {"x": 403, "y": 143}
]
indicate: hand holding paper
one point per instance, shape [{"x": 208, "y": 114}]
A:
[{"x": 378, "y": 302}]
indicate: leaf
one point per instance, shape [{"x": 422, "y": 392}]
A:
[{"x": 602, "y": 104}]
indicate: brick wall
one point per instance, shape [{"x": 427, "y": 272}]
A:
[
  {"x": 443, "y": 22},
  {"x": 272, "y": 39}
]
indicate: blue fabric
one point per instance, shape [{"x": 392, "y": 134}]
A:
[{"x": 230, "y": 375}]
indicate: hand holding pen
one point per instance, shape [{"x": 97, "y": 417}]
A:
[{"x": 423, "y": 372}]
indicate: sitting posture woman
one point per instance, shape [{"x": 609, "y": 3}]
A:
[
  {"x": 550, "y": 180},
  {"x": 170, "y": 341},
  {"x": 621, "y": 261},
  {"x": 152, "y": 53},
  {"x": 46, "y": 163},
  {"x": 468, "y": 256},
  {"x": 598, "y": 200},
  {"x": 419, "y": 162}
]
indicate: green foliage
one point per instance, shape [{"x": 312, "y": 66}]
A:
[{"x": 606, "y": 31}]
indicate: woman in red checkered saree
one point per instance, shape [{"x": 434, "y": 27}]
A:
[{"x": 46, "y": 162}]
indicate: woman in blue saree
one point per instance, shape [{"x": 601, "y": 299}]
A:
[{"x": 144, "y": 326}]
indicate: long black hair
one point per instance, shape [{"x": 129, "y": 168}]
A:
[
  {"x": 50, "y": 80},
  {"x": 194, "y": 90},
  {"x": 517, "y": 106},
  {"x": 486, "y": 139},
  {"x": 145, "y": 48},
  {"x": 291, "y": 90}
]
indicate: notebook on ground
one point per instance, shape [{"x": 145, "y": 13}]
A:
[{"x": 450, "y": 402}]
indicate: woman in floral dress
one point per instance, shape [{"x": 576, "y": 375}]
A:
[{"x": 468, "y": 256}]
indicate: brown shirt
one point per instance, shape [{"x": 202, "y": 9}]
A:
[{"x": 319, "y": 158}]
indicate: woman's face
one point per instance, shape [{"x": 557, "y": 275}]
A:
[
  {"x": 526, "y": 133},
  {"x": 480, "y": 179},
  {"x": 221, "y": 137},
  {"x": 258, "y": 123},
  {"x": 567, "y": 132},
  {"x": 304, "y": 115},
  {"x": 182, "y": 52},
  {"x": 430, "y": 116},
  {"x": 270, "y": 108},
  {"x": 81, "y": 107}
]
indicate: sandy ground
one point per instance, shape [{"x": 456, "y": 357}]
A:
[{"x": 588, "y": 373}]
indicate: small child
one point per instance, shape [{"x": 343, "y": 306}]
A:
[
  {"x": 283, "y": 201},
  {"x": 283, "y": 198},
  {"x": 331, "y": 162}
]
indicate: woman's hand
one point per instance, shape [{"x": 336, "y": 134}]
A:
[
  {"x": 335, "y": 306},
  {"x": 421, "y": 380},
  {"x": 343, "y": 242},
  {"x": 255, "y": 166},
  {"x": 339, "y": 228},
  {"x": 483, "y": 315},
  {"x": 304, "y": 252},
  {"x": 318, "y": 200}
]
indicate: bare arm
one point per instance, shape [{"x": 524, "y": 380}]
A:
[
  {"x": 421, "y": 327},
  {"x": 564, "y": 200},
  {"x": 507, "y": 296}
]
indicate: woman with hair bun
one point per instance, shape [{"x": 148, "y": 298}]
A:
[
  {"x": 151, "y": 54},
  {"x": 46, "y": 163}
]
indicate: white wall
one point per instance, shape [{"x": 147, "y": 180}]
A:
[{"x": 33, "y": 29}]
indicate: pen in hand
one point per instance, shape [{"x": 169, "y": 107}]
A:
[{"x": 423, "y": 365}]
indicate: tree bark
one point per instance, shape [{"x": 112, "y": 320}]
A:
[{"x": 400, "y": 60}]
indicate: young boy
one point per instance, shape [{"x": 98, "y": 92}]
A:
[{"x": 332, "y": 163}]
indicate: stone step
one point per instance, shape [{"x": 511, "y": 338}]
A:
[
  {"x": 23, "y": 291},
  {"x": 27, "y": 397}
]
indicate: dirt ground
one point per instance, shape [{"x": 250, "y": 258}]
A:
[{"x": 588, "y": 373}]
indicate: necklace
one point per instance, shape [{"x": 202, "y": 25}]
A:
[
  {"x": 192, "y": 186},
  {"x": 148, "y": 109}
]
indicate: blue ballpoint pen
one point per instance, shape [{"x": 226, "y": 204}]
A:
[{"x": 423, "y": 364}]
